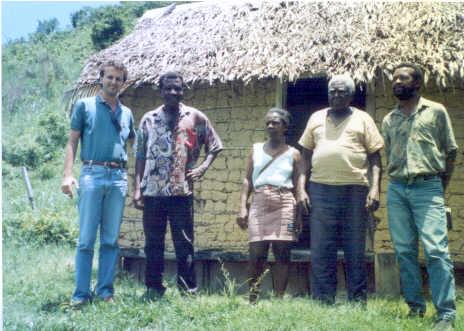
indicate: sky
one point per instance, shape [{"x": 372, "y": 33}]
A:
[{"x": 19, "y": 18}]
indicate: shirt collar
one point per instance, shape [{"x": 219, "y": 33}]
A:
[
  {"x": 328, "y": 111},
  {"x": 183, "y": 110},
  {"x": 102, "y": 101},
  {"x": 421, "y": 106}
]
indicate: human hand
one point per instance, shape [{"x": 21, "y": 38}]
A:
[
  {"x": 242, "y": 219},
  {"x": 66, "y": 185},
  {"x": 196, "y": 173},
  {"x": 303, "y": 203},
  {"x": 373, "y": 199},
  {"x": 137, "y": 199}
]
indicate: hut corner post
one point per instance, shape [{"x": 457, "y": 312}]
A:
[{"x": 281, "y": 93}]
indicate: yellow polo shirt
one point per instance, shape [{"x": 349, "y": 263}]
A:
[{"x": 340, "y": 151}]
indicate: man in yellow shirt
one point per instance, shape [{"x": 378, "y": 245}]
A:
[{"x": 341, "y": 145}]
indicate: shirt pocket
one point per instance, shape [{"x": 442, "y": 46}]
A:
[{"x": 423, "y": 132}]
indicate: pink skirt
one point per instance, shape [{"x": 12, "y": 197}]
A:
[{"x": 272, "y": 214}]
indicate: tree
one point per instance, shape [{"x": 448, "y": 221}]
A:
[
  {"x": 106, "y": 31},
  {"x": 83, "y": 16},
  {"x": 47, "y": 26}
]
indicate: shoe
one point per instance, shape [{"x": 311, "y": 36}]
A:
[
  {"x": 416, "y": 313},
  {"x": 78, "y": 303},
  {"x": 109, "y": 299},
  {"x": 189, "y": 292},
  {"x": 153, "y": 294},
  {"x": 444, "y": 325},
  {"x": 325, "y": 300},
  {"x": 360, "y": 304},
  {"x": 253, "y": 298}
]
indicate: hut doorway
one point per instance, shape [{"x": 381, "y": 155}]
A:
[{"x": 303, "y": 98}]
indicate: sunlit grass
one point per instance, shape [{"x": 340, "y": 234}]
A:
[{"x": 38, "y": 282}]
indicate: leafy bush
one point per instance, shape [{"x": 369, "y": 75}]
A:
[
  {"x": 106, "y": 31},
  {"x": 82, "y": 17},
  {"x": 47, "y": 26},
  {"x": 45, "y": 226},
  {"x": 139, "y": 8},
  {"x": 47, "y": 171},
  {"x": 23, "y": 153},
  {"x": 53, "y": 135},
  {"x": 9, "y": 172},
  {"x": 36, "y": 146}
]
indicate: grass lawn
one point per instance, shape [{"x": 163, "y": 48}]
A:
[{"x": 38, "y": 281}]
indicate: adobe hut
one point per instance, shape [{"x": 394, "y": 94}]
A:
[{"x": 241, "y": 58}]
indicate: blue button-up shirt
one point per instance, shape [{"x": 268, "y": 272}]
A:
[{"x": 101, "y": 140}]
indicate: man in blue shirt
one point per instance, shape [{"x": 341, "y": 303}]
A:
[{"x": 103, "y": 125}]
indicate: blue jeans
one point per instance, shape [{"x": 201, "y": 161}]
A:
[
  {"x": 338, "y": 219},
  {"x": 101, "y": 203},
  {"x": 416, "y": 212}
]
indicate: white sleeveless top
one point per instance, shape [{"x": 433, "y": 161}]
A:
[{"x": 279, "y": 173}]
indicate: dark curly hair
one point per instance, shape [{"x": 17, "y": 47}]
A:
[
  {"x": 170, "y": 75},
  {"x": 417, "y": 74}
]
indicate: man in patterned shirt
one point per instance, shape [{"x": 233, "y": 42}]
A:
[
  {"x": 169, "y": 141},
  {"x": 421, "y": 150}
]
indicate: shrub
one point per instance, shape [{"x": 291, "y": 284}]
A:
[
  {"x": 81, "y": 17},
  {"x": 47, "y": 26},
  {"x": 23, "y": 153},
  {"x": 37, "y": 145},
  {"x": 53, "y": 133},
  {"x": 9, "y": 172},
  {"x": 47, "y": 171},
  {"x": 106, "y": 31},
  {"x": 47, "y": 226}
]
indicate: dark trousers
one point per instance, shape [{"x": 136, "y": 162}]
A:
[
  {"x": 338, "y": 218},
  {"x": 156, "y": 212}
]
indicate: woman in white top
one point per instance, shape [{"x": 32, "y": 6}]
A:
[{"x": 273, "y": 177}]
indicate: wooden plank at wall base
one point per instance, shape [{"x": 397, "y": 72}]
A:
[
  {"x": 387, "y": 275},
  {"x": 225, "y": 276}
]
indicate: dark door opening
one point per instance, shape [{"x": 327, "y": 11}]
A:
[{"x": 304, "y": 97}]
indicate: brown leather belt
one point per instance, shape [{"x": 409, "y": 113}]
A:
[{"x": 108, "y": 164}]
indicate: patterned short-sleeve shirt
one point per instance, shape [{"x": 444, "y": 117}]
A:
[
  {"x": 169, "y": 152},
  {"x": 418, "y": 144}
]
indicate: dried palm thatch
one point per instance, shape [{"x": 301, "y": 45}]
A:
[{"x": 239, "y": 40}]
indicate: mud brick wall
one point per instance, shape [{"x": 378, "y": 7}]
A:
[
  {"x": 453, "y": 100},
  {"x": 237, "y": 113}
]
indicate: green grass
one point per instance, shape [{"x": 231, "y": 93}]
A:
[{"x": 38, "y": 281}]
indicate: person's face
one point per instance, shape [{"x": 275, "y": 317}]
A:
[
  {"x": 172, "y": 91},
  {"x": 339, "y": 96},
  {"x": 274, "y": 125},
  {"x": 404, "y": 85},
  {"x": 112, "y": 81}
]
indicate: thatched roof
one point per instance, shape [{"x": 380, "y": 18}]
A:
[{"x": 239, "y": 40}]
